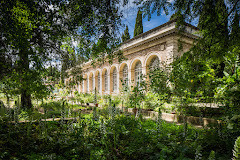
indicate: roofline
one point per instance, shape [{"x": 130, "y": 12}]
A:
[
  {"x": 148, "y": 32},
  {"x": 156, "y": 28}
]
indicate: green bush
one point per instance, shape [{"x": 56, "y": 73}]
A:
[
  {"x": 166, "y": 108},
  {"x": 150, "y": 101},
  {"x": 51, "y": 114},
  {"x": 116, "y": 100},
  {"x": 53, "y": 105}
]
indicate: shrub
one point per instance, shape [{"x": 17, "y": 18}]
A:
[
  {"x": 166, "y": 108},
  {"x": 150, "y": 101},
  {"x": 51, "y": 106},
  {"x": 51, "y": 114},
  {"x": 116, "y": 100},
  {"x": 236, "y": 149}
]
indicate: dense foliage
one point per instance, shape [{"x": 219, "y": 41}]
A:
[
  {"x": 115, "y": 137},
  {"x": 33, "y": 32}
]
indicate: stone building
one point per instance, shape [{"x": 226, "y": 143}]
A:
[{"x": 142, "y": 52}]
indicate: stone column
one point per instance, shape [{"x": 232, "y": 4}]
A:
[
  {"x": 88, "y": 86},
  {"x": 83, "y": 87}
]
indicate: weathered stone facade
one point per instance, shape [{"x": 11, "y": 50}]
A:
[{"x": 160, "y": 43}]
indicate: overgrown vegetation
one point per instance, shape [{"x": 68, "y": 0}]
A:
[
  {"x": 111, "y": 136},
  {"x": 32, "y": 35}
]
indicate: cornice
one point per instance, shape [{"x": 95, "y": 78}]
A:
[
  {"x": 164, "y": 30},
  {"x": 159, "y": 32}
]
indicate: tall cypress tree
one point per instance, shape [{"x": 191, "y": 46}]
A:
[
  {"x": 138, "y": 25},
  {"x": 125, "y": 35},
  {"x": 222, "y": 13},
  {"x": 235, "y": 33},
  {"x": 221, "y": 32},
  {"x": 173, "y": 16},
  {"x": 213, "y": 16},
  {"x": 205, "y": 18},
  {"x": 176, "y": 15},
  {"x": 213, "y": 23}
]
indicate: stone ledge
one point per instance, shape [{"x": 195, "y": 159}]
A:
[{"x": 196, "y": 121}]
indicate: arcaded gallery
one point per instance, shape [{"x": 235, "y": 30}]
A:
[{"x": 142, "y": 53}]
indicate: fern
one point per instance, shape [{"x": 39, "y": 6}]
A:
[{"x": 236, "y": 149}]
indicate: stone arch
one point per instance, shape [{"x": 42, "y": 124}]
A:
[
  {"x": 122, "y": 75},
  {"x": 149, "y": 59},
  {"x": 113, "y": 79},
  {"x": 105, "y": 80},
  {"x": 136, "y": 62}
]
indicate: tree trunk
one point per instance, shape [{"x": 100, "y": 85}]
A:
[{"x": 26, "y": 102}]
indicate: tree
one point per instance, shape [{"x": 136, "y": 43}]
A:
[
  {"x": 125, "y": 35},
  {"x": 52, "y": 75},
  {"x": 138, "y": 25},
  {"x": 214, "y": 27},
  {"x": 205, "y": 18},
  {"x": 28, "y": 31},
  {"x": 177, "y": 16},
  {"x": 210, "y": 69},
  {"x": 32, "y": 33},
  {"x": 235, "y": 32}
]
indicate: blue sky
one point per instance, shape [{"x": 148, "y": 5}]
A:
[{"x": 130, "y": 14}]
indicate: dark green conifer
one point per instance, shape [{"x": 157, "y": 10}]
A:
[
  {"x": 138, "y": 25},
  {"x": 173, "y": 16},
  {"x": 213, "y": 16},
  {"x": 235, "y": 33},
  {"x": 205, "y": 18},
  {"x": 221, "y": 31},
  {"x": 213, "y": 22},
  {"x": 222, "y": 15},
  {"x": 176, "y": 15},
  {"x": 125, "y": 35}
]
